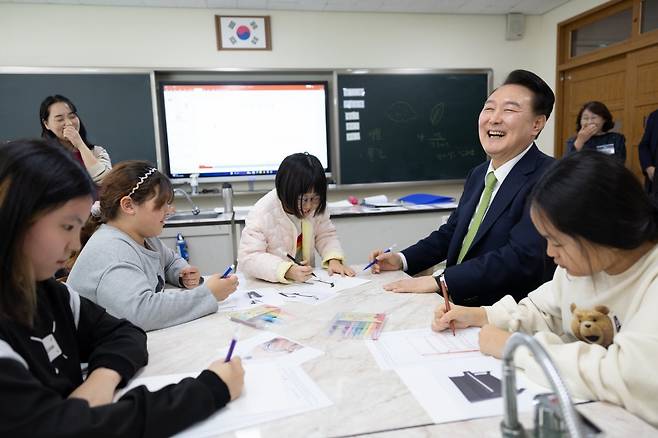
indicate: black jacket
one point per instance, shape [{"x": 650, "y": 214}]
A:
[
  {"x": 507, "y": 256},
  {"x": 34, "y": 387}
]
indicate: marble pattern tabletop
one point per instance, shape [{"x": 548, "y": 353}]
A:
[{"x": 367, "y": 400}]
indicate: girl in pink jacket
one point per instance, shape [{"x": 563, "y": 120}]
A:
[{"x": 292, "y": 220}]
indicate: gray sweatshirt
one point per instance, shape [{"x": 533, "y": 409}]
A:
[{"x": 128, "y": 280}]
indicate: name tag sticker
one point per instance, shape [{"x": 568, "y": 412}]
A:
[
  {"x": 52, "y": 347},
  {"x": 608, "y": 149}
]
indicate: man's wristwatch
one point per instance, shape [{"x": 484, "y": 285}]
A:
[{"x": 441, "y": 282}]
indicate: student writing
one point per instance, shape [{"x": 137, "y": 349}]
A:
[
  {"x": 597, "y": 317},
  {"x": 124, "y": 266},
  {"x": 47, "y": 330},
  {"x": 292, "y": 219}
]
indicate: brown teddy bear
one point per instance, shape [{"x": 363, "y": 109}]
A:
[{"x": 592, "y": 326}]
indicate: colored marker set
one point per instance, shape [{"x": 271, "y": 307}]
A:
[
  {"x": 351, "y": 325},
  {"x": 259, "y": 317}
]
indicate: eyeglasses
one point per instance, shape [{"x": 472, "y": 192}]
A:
[{"x": 310, "y": 200}]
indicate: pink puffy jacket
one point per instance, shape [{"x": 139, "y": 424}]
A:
[{"x": 269, "y": 234}]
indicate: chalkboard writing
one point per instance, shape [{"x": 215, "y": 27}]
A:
[{"x": 409, "y": 127}]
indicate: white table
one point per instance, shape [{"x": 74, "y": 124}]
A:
[{"x": 366, "y": 399}]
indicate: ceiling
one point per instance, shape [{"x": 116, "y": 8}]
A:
[{"x": 527, "y": 7}]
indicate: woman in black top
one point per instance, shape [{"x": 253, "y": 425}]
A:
[
  {"x": 47, "y": 330},
  {"x": 593, "y": 126}
]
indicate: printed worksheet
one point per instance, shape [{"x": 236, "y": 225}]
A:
[
  {"x": 272, "y": 348},
  {"x": 463, "y": 389},
  {"x": 414, "y": 347}
]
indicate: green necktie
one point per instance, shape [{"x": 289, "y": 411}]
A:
[{"x": 490, "y": 182}]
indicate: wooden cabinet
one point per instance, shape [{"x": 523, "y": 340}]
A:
[{"x": 624, "y": 76}]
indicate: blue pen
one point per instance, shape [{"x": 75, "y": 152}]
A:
[
  {"x": 228, "y": 271},
  {"x": 389, "y": 249},
  {"x": 231, "y": 347}
]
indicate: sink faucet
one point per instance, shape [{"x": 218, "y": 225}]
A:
[
  {"x": 195, "y": 208},
  {"x": 510, "y": 427}
]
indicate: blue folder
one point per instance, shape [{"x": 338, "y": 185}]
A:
[{"x": 426, "y": 198}]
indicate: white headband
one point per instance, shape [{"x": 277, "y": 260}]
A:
[{"x": 141, "y": 180}]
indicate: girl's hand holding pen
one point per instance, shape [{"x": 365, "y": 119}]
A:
[
  {"x": 231, "y": 373},
  {"x": 462, "y": 316},
  {"x": 220, "y": 287},
  {"x": 299, "y": 273}
]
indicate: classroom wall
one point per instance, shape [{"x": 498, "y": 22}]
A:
[{"x": 166, "y": 38}]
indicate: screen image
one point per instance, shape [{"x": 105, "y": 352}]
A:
[{"x": 235, "y": 130}]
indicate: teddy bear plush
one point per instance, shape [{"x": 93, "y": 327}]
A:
[{"x": 592, "y": 325}]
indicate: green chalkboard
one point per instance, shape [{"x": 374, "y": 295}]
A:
[
  {"x": 116, "y": 109},
  {"x": 409, "y": 127}
]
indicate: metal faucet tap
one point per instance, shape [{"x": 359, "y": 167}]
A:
[
  {"x": 195, "y": 208},
  {"x": 510, "y": 427}
]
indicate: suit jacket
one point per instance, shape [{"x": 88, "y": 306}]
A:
[
  {"x": 507, "y": 256},
  {"x": 648, "y": 147}
]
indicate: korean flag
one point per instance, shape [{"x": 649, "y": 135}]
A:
[{"x": 243, "y": 32}]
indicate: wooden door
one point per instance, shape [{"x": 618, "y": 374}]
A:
[
  {"x": 642, "y": 98},
  {"x": 604, "y": 81}
]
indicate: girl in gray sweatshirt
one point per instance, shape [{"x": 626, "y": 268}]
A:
[{"x": 124, "y": 266}]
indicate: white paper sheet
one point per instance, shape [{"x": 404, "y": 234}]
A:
[
  {"x": 380, "y": 201},
  {"x": 272, "y": 348},
  {"x": 270, "y": 392},
  {"x": 444, "y": 401},
  {"x": 354, "y": 104},
  {"x": 318, "y": 289},
  {"x": 415, "y": 347},
  {"x": 354, "y": 92},
  {"x": 342, "y": 203},
  {"x": 246, "y": 298}
]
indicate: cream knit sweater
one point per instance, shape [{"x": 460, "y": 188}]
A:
[{"x": 623, "y": 372}]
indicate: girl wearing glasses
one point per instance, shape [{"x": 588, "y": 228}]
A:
[{"x": 291, "y": 221}]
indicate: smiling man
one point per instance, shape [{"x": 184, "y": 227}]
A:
[{"x": 489, "y": 243}]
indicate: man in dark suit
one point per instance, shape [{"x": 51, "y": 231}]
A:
[
  {"x": 489, "y": 243},
  {"x": 648, "y": 150}
]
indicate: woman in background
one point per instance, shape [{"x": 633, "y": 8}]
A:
[
  {"x": 593, "y": 126},
  {"x": 60, "y": 123}
]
